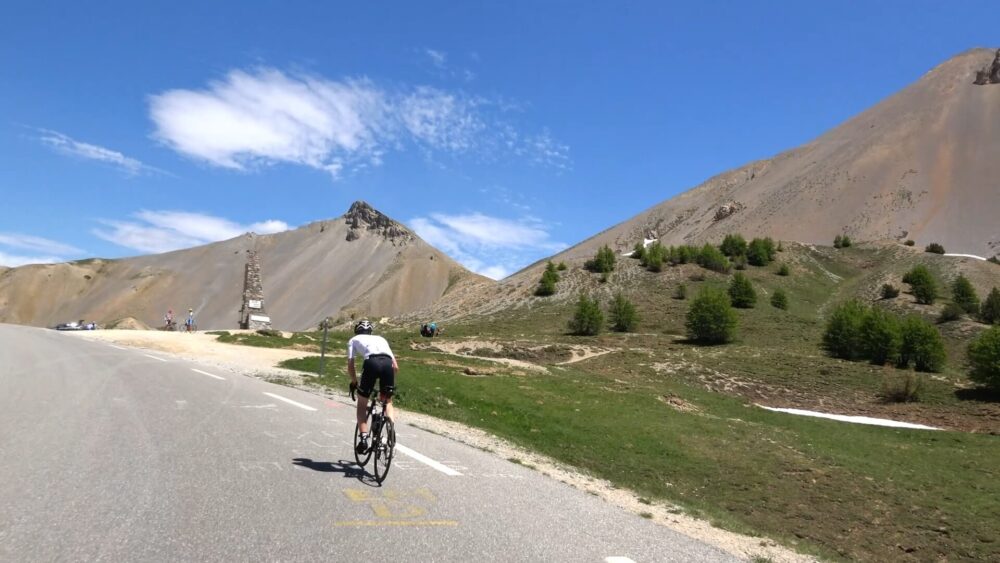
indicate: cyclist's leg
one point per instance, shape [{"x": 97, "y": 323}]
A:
[
  {"x": 387, "y": 385},
  {"x": 365, "y": 388}
]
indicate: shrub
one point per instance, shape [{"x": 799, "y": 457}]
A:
[
  {"x": 934, "y": 248},
  {"x": 733, "y": 246},
  {"x": 587, "y": 319},
  {"x": 711, "y": 318},
  {"x": 783, "y": 270},
  {"x": 910, "y": 242},
  {"x": 964, "y": 295},
  {"x": 994, "y": 259},
  {"x": 547, "y": 285},
  {"x": 838, "y": 241},
  {"x": 603, "y": 262},
  {"x": 680, "y": 292},
  {"x": 779, "y": 299},
  {"x": 639, "y": 251},
  {"x": 269, "y": 332},
  {"x": 623, "y": 314},
  {"x": 984, "y": 358},
  {"x": 845, "y": 241},
  {"x": 922, "y": 284},
  {"x": 741, "y": 292},
  {"x": 561, "y": 267},
  {"x": 760, "y": 252},
  {"x": 989, "y": 313},
  {"x": 711, "y": 258},
  {"x": 951, "y": 312},
  {"x": 740, "y": 262},
  {"x": 889, "y": 291},
  {"x": 654, "y": 257},
  {"x": 842, "y": 337},
  {"x": 921, "y": 345},
  {"x": 882, "y": 336},
  {"x": 901, "y": 387}
]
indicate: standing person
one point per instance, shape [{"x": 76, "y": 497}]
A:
[
  {"x": 189, "y": 323},
  {"x": 168, "y": 319},
  {"x": 379, "y": 363}
]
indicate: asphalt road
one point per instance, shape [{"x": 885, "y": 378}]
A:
[{"x": 114, "y": 454}]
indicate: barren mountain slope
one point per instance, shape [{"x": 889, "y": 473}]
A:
[
  {"x": 923, "y": 164},
  {"x": 363, "y": 262}
]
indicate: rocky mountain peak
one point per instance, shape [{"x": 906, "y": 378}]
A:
[
  {"x": 362, "y": 217},
  {"x": 991, "y": 73}
]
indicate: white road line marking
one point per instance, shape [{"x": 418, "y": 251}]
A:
[
  {"x": 289, "y": 401},
  {"x": 426, "y": 460},
  {"x": 208, "y": 374},
  {"x": 617, "y": 559},
  {"x": 117, "y": 347},
  {"x": 154, "y": 357}
]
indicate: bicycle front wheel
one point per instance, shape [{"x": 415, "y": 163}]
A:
[
  {"x": 384, "y": 447},
  {"x": 361, "y": 459}
]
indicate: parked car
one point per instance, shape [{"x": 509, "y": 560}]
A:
[{"x": 77, "y": 325}]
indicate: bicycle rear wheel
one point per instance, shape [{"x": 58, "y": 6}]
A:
[
  {"x": 384, "y": 448},
  {"x": 361, "y": 459}
]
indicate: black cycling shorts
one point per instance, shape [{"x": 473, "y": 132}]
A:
[{"x": 378, "y": 367}]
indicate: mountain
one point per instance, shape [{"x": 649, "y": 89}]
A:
[
  {"x": 363, "y": 263},
  {"x": 922, "y": 164}
]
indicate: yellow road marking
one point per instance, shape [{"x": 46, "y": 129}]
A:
[{"x": 365, "y": 523}]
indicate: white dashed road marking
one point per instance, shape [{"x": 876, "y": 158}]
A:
[
  {"x": 117, "y": 347},
  {"x": 426, "y": 460},
  {"x": 208, "y": 374},
  {"x": 154, "y": 357},
  {"x": 289, "y": 401}
]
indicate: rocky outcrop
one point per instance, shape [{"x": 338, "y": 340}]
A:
[
  {"x": 363, "y": 217},
  {"x": 727, "y": 209},
  {"x": 990, "y": 74}
]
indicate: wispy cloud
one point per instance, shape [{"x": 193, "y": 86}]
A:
[
  {"x": 438, "y": 58},
  {"x": 251, "y": 119},
  {"x": 42, "y": 250},
  {"x": 163, "y": 231},
  {"x": 492, "y": 246},
  {"x": 69, "y": 146}
]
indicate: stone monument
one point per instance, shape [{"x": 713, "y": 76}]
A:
[{"x": 252, "y": 314}]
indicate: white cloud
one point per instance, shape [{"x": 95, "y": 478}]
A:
[
  {"x": 67, "y": 145},
  {"x": 37, "y": 244},
  {"x": 438, "y": 58},
  {"x": 251, "y": 119},
  {"x": 491, "y": 246},
  {"x": 43, "y": 251},
  {"x": 15, "y": 260},
  {"x": 163, "y": 231}
]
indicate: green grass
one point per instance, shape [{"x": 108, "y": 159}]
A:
[
  {"x": 838, "y": 490},
  {"x": 310, "y": 341}
]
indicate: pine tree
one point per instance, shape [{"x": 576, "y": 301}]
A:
[
  {"x": 922, "y": 284},
  {"x": 779, "y": 299},
  {"x": 989, "y": 313},
  {"x": 587, "y": 319},
  {"x": 623, "y": 314},
  {"x": 603, "y": 262},
  {"x": 711, "y": 318},
  {"x": 741, "y": 292},
  {"x": 964, "y": 295},
  {"x": 733, "y": 245}
]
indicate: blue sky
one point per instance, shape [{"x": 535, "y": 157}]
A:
[{"x": 501, "y": 133}]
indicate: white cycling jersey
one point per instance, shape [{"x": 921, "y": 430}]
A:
[{"x": 366, "y": 345}]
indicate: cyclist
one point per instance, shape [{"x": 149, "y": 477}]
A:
[
  {"x": 379, "y": 363},
  {"x": 189, "y": 323}
]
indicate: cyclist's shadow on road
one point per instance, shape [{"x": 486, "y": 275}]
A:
[{"x": 349, "y": 469}]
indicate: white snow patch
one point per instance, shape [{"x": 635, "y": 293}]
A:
[
  {"x": 966, "y": 256},
  {"x": 854, "y": 419},
  {"x": 645, "y": 243}
]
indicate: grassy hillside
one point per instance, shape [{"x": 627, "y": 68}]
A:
[{"x": 675, "y": 422}]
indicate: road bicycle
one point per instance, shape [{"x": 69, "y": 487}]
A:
[{"x": 381, "y": 436}]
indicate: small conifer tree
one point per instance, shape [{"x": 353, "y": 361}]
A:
[
  {"x": 741, "y": 292},
  {"x": 587, "y": 318},
  {"x": 922, "y": 284},
  {"x": 964, "y": 295},
  {"x": 623, "y": 314},
  {"x": 711, "y": 318},
  {"x": 779, "y": 299},
  {"x": 989, "y": 313}
]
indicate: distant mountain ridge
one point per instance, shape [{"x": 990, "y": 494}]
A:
[
  {"x": 922, "y": 164},
  {"x": 363, "y": 263}
]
